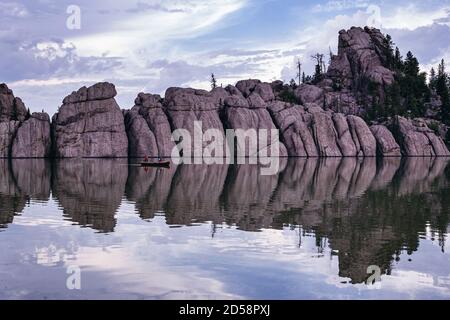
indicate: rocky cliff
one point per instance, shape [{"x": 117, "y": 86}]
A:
[
  {"x": 90, "y": 124},
  {"x": 317, "y": 120},
  {"x": 94, "y": 126},
  {"x": 148, "y": 128},
  {"x": 22, "y": 135}
]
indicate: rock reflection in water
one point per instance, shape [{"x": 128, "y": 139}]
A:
[
  {"x": 22, "y": 181},
  {"x": 246, "y": 197},
  {"x": 383, "y": 212},
  {"x": 12, "y": 201},
  {"x": 90, "y": 191},
  {"x": 195, "y": 193},
  {"x": 367, "y": 211},
  {"x": 149, "y": 189},
  {"x": 33, "y": 177}
]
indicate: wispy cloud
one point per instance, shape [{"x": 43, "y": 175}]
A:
[
  {"x": 142, "y": 6},
  {"x": 411, "y": 17},
  {"x": 340, "y": 5},
  {"x": 13, "y": 9}
]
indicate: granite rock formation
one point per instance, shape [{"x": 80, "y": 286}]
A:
[
  {"x": 90, "y": 124},
  {"x": 246, "y": 108},
  {"x": 417, "y": 139},
  {"x": 360, "y": 58},
  {"x": 12, "y": 114},
  {"x": 148, "y": 129},
  {"x": 33, "y": 139},
  {"x": 188, "y": 107},
  {"x": 8, "y": 130},
  {"x": 386, "y": 144}
]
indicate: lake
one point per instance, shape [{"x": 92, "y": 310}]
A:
[{"x": 314, "y": 231}]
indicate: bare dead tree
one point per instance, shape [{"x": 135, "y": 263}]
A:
[
  {"x": 320, "y": 66},
  {"x": 299, "y": 74}
]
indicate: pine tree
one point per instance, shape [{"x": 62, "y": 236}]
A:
[
  {"x": 413, "y": 86},
  {"x": 389, "y": 52},
  {"x": 441, "y": 68},
  {"x": 433, "y": 79},
  {"x": 213, "y": 81},
  {"x": 303, "y": 77},
  {"x": 411, "y": 65},
  {"x": 442, "y": 90},
  {"x": 398, "y": 60}
]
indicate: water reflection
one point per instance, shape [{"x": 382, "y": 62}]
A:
[
  {"x": 12, "y": 201},
  {"x": 149, "y": 189},
  {"x": 366, "y": 211},
  {"x": 194, "y": 195},
  {"x": 90, "y": 191}
]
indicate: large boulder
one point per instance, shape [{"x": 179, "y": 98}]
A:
[
  {"x": 90, "y": 124},
  {"x": 246, "y": 87},
  {"x": 325, "y": 134},
  {"x": 361, "y": 57},
  {"x": 363, "y": 138},
  {"x": 8, "y": 130},
  {"x": 294, "y": 130},
  {"x": 417, "y": 139},
  {"x": 386, "y": 144},
  {"x": 11, "y": 108},
  {"x": 307, "y": 93},
  {"x": 33, "y": 138},
  {"x": 141, "y": 140},
  {"x": 250, "y": 113},
  {"x": 185, "y": 107},
  {"x": 345, "y": 138},
  {"x": 12, "y": 114},
  {"x": 148, "y": 129}
]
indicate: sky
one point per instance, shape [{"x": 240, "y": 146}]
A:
[{"x": 50, "y": 48}]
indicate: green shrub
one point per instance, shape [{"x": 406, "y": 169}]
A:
[
  {"x": 287, "y": 95},
  {"x": 435, "y": 127}
]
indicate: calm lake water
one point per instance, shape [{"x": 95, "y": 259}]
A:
[{"x": 225, "y": 232}]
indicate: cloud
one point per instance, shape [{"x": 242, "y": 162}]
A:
[
  {"x": 425, "y": 42},
  {"x": 142, "y": 6},
  {"x": 50, "y": 58},
  {"x": 153, "y": 29},
  {"x": 340, "y": 5},
  {"x": 411, "y": 17},
  {"x": 13, "y": 9}
]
